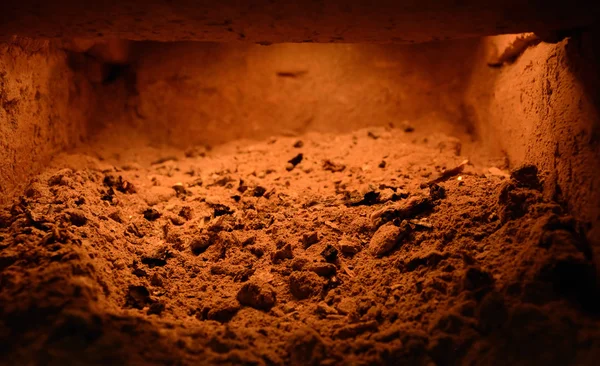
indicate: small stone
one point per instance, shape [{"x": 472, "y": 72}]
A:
[
  {"x": 257, "y": 295},
  {"x": 382, "y": 164},
  {"x": 330, "y": 253},
  {"x": 299, "y": 144},
  {"x": 305, "y": 284},
  {"x": 294, "y": 161},
  {"x": 387, "y": 237},
  {"x": 151, "y": 214},
  {"x": 350, "y": 246},
  {"x": 310, "y": 239},
  {"x": 323, "y": 269},
  {"x": 179, "y": 189}
]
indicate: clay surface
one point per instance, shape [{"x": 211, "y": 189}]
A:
[
  {"x": 543, "y": 108},
  {"x": 382, "y": 246},
  {"x": 190, "y": 93},
  {"x": 265, "y": 21},
  {"x": 44, "y": 108}
]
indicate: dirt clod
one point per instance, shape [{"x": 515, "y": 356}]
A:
[
  {"x": 330, "y": 253},
  {"x": 305, "y": 284},
  {"x": 200, "y": 243},
  {"x": 231, "y": 273},
  {"x": 310, "y": 239},
  {"x": 151, "y": 214},
  {"x": 257, "y": 295},
  {"x": 76, "y": 217}
]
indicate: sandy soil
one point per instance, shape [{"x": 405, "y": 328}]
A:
[{"x": 377, "y": 247}]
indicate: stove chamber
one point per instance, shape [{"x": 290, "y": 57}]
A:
[{"x": 281, "y": 184}]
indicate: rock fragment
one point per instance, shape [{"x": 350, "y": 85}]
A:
[{"x": 387, "y": 237}]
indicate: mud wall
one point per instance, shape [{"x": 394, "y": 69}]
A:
[
  {"x": 44, "y": 108},
  {"x": 191, "y": 93},
  {"x": 543, "y": 109}
]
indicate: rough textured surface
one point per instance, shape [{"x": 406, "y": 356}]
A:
[
  {"x": 290, "y": 21},
  {"x": 44, "y": 108},
  {"x": 543, "y": 109},
  {"x": 97, "y": 264},
  {"x": 190, "y": 93}
]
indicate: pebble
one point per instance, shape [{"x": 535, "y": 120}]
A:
[
  {"x": 350, "y": 246},
  {"x": 323, "y": 269},
  {"x": 386, "y": 238}
]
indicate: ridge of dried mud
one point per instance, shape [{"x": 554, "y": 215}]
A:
[{"x": 314, "y": 250}]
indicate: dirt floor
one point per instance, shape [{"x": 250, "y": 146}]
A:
[{"x": 378, "y": 247}]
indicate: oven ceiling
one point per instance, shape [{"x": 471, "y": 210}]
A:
[{"x": 266, "y": 21}]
